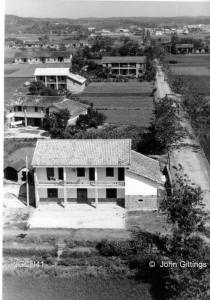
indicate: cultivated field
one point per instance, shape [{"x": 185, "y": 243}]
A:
[
  {"x": 123, "y": 103},
  {"x": 191, "y": 60},
  {"x": 191, "y": 71},
  {"x": 118, "y": 88},
  {"x": 27, "y": 70},
  {"x": 140, "y": 118},
  {"x": 195, "y": 68},
  {"x": 11, "y": 85}
]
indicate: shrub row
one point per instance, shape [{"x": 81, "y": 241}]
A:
[{"x": 21, "y": 250}]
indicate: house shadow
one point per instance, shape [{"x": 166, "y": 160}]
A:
[{"x": 22, "y": 196}]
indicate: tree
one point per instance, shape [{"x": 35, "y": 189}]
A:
[
  {"x": 35, "y": 87},
  {"x": 38, "y": 88},
  {"x": 44, "y": 39},
  {"x": 174, "y": 41},
  {"x": 56, "y": 123},
  {"x": 184, "y": 207},
  {"x": 109, "y": 132},
  {"x": 92, "y": 119},
  {"x": 167, "y": 123}
]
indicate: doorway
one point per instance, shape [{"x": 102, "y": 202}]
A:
[{"x": 82, "y": 195}]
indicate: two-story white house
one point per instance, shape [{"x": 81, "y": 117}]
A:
[
  {"x": 95, "y": 171},
  {"x": 60, "y": 78},
  {"x": 125, "y": 65}
]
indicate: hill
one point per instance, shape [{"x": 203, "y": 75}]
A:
[{"x": 15, "y": 24}]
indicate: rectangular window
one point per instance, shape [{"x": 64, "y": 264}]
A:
[
  {"x": 80, "y": 172},
  {"x": 111, "y": 193},
  {"x": 36, "y": 109},
  {"x": 121, "y": 174},
  {"x": 50, "y": 173},
  {"x": 109, "y": 172},
  {"x": 91, "y": 174},
  {"x": 19, "y": 108},
  {"x": 60, "y": 173},
  {"x": 52, "y": 193}
]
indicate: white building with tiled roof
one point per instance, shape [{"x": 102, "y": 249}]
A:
[
  {"x": 43, "y": 56},
  {"x": 60, "y": 78},
  {"x": 134, "y": 66},
  {"x": 95, "y": 171},
  {"x": 30, "y": 110}
]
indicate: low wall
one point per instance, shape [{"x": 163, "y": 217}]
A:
[{"x": 139, "y": 202}]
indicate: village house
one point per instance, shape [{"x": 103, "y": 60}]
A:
[
  {"x": 184, "y": 48},
  {"x": 95, "y": 171},
  {"x": 29, "y": 110},
  {"x": 60, "y": 78},
  {"x": 125, "y": 65},
  {"x": 43, "y": 57}
]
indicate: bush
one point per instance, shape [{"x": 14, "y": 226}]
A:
[
  {"x": 173, "y": 62},
  {"x": 116, "y": 248},
  {"x": 78, "y": 252}
]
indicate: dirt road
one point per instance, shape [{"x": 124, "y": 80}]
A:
[{"x": 190, "y": 154}]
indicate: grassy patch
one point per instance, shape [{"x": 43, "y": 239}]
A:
[
  {"x": 152, "y": 222},
  {"x": 28, "y": 250},
  {"x": 77, "y": 288}
]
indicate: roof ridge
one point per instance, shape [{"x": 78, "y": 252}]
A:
[{"x": 43, "y": 140}]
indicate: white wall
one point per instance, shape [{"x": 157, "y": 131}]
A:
[
  {"x": 137, "y": 185},
  {"x": 71, "y": 174},
  {"x": 72, "y": 192},
  {"x": 75, "y": 87}
]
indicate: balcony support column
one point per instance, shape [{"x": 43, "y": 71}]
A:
[
  {"x": 36, "y": 190},
  {"x": 64, "y": 188},
  {"x": 56, "y": 82},
  {"x": 45, "y": 81},
  {"x": 96, "y": 187},
  {"x": 25, "y": 118}
]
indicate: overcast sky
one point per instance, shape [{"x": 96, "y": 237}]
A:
[{"x": 99, "y": 8}]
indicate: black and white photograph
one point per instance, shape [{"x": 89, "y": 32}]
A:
[{"x": 106, "y": 150}]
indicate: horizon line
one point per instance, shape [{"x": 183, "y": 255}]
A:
[{"x": 116, "y": 17}]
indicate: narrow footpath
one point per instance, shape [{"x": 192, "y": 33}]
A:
[{"x": 190, "y": 153}]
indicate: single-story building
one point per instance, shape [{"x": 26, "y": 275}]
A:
[
  {"x": 42, "y": 56},
  {"x": 184, "y": 48}
]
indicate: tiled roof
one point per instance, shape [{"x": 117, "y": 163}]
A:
[
  {"x": 74, "y": 107},
  {"x": 145, "y": 167},
  {"x": 42, "y": 53},
  {"x": 82, "y": 153},
  {"x": 123, "y": 59},
  {"x": 184, "y": 45},
  {"x": 59, "y": 72},
  {"x": 33, "y": 100}
]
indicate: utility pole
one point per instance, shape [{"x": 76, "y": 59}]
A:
[{"x": 27, "y": 186}]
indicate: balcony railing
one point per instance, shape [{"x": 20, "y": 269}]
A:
[{"x": 81, "y": 182}]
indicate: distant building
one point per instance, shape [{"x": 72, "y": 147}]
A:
[
  {"x": 95, "y": 171},
  {"x": 184, "y": 48},
  {"x": 43, "y": 57},
  {"x": 60, "y": 78},
  {"x": 125, "y": 65},
  {"x": 29, "y": 110}
]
